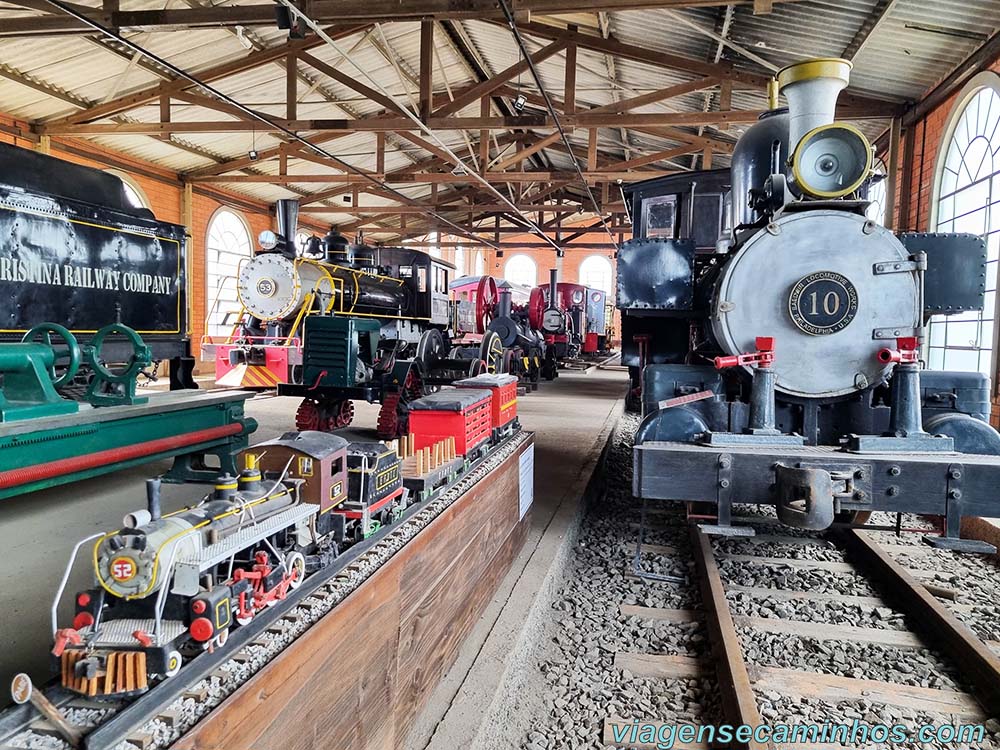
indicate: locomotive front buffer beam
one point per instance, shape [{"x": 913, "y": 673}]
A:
[{"x": 810, "y": 485}]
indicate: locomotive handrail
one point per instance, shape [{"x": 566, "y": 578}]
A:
[
  {"x": 215, "y": 304},
  {"x": 161, "y": 597},
  {"x": 65, "y": 579}
]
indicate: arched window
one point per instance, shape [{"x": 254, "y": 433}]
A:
[
  {"x": 596, "y": 273},
  {"x": 133, "y": 192},
  {"x": 521, "y": 270},
  {"x": 480, "y": 263},
  {"x": 877, "y": 195},
  {"x": 227, "y": 243},
  {"x": 459, "y": 262},
  {"x": 967, "y": 199}
]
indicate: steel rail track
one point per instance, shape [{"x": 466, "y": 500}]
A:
[
  {"x": 929, "y": 619},
  {"x": 132, "y": 716}
]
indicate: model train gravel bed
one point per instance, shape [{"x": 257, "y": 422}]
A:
[{"x": 185, "y": 712}]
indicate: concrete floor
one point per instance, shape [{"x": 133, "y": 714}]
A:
[
  {"x": 38, "y": 531},
  {"x": 572, "y": 418}
]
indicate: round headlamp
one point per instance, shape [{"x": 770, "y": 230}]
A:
[{"x": 831, "y": 161}]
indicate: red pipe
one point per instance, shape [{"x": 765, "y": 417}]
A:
[{"x": 38, "y": 472}]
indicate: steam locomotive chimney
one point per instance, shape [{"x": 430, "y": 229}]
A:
[
  {"x": 287, "y": 210},
  {"x": 504, "y": 304},
  {"x": 553, "y": 287},
  {"x": 153, "y": 499},
  {"x": 811, "y": 88}
]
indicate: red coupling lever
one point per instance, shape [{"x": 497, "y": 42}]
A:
[
  {"x": 65, "y": 637},
  {"x": 907, "y": 351},
  {"x": 763, "y": 357}
]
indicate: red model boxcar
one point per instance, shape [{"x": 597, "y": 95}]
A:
[
  {"x": 504, "y": 390},
  {"x": 461, "y": 413}
]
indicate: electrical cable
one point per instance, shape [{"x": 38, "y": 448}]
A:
[
  {"x": 318, "y": 30},
  {"x": 512, "y": 24},
  {"x": 70, "y": 11}
]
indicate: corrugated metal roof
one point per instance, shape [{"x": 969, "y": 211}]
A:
[{"x": 915, "y": 45}]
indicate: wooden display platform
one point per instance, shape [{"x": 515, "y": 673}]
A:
[{"x": 358, "y": 678}]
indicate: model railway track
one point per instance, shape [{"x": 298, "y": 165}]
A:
[
  {"x": 902, "y": 594},
  {"x": 158, "y": 717}
]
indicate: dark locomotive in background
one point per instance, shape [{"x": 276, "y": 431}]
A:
[{"x": 74, "y": 250}]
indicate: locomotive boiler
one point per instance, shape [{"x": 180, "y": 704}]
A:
[{"x": 773, "y": 332}]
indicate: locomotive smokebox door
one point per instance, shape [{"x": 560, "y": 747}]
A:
[{"x": 828, "y": 285}]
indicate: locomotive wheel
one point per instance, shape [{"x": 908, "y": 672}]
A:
[
  {"x": 295, "y": 564},
  {"x": 307, "y": 416},
  {"x": 510, "y": 361},
  {"x": 173, "y": 664},
  {"x": 487, "y": 297},
  {"x": 339, "y": 414},
  {"x": 394, "y": 416},
  {"x": 430, "y": 348},
  {"x": 492, "y": 353},
  {"x": 476, "y": 367}
]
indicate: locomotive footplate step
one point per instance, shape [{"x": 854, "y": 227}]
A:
[
  {"x": 729, "y": 439},
  {"x": 961, "y": 545},
  {"x": 714, "y": 529}
]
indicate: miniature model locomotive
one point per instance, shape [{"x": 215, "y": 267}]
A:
[
  {"x": 780, "y": 363},
  {"x": 169, "y": 585}
]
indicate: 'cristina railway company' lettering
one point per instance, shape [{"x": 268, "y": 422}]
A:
[{"x": 84, "y": 277}]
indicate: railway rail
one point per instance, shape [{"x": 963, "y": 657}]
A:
[
  {"x": 909, "y": 617},
  {"x": 158, "y": 717}
]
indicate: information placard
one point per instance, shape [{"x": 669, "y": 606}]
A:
[{"x": 527, "y": 479}]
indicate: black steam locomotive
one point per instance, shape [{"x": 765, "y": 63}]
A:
[
  {"x": 334, "y": 321},
  {"x": 773, "y": 334},
  {"x": 73, "y": 249}
]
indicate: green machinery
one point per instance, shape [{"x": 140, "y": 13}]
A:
[{"x": 47, "y": 439}]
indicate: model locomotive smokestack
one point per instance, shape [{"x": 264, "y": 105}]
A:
[
  {"x": 153, "y": 499},
  {"x": 504, "y": 304},
  {"x": 811, "y": 88},
  {"x": 553, "y": 286},
  {"x": 287, "y": 210}
]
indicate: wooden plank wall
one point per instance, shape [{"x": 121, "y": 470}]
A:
[{"x": 358, "y": 678}]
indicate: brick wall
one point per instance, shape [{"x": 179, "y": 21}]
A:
[{"x": 928, "y": 134}]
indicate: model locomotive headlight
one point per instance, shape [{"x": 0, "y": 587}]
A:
[
  {"x": 831, "y": 161},
  {"x": 267, "y": 240}
]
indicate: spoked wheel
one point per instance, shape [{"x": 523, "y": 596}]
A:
[
  {"x": 173, "y": 664},
  {"x": 487, "y": 297},
  {"x": 430, "y": 348},
  {"x": 295, "y": 564},
  {"x": 307, "y": 417},
  {"x": 476, "y": 367},
  {"x": 491, "y": 352},
  {"x": 509, "y": 362},
  {"x": 394, "y": 416},
  {"x": 324, "y": 416},
  {"x": 339, "y": 414}
]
